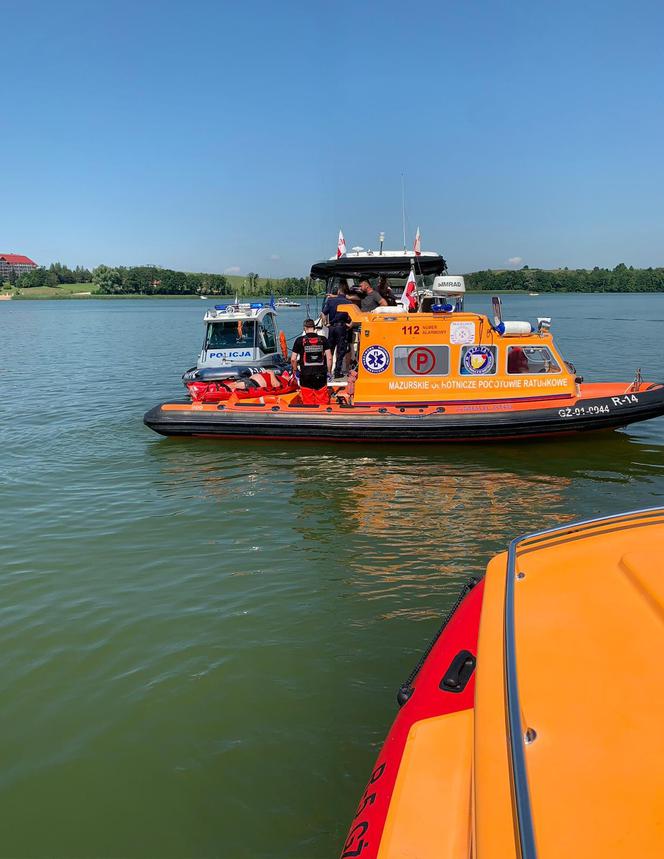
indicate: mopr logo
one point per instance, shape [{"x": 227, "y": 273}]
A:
[
  {"x": 375, "y": 359},
  {"x": 478, "y": 360},
  {"x": 462, "y": 332}
]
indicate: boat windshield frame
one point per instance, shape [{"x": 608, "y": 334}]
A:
[{"x": 226, "y": 322}]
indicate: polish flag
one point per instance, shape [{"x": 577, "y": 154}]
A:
[
  {"x": 417, "y": 247},
  {"x": 341, "y": 245},
  {"x": 409, "y": 296}
]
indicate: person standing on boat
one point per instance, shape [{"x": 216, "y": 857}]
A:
[
  {"x": 371, "y": 299},
  {"x": 385, "y": 291},
  {"x": 339, "y": 324},
  {"x": 312, "y": 358}
]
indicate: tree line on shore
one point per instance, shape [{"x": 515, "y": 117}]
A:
[
  {"x": 619, "y": 279},
  {"x": 54, "y": 275},
  {"x": 152, "y": 280}
]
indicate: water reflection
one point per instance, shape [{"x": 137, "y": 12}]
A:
[
  {"x": 402, "y": 528},
  {"x": 447, "y": 516}
]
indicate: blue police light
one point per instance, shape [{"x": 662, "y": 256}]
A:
[
  {"x": 256, "y": 305},
  {"x": 220, "y": 306},
  {"x": 442, "y": 308}
]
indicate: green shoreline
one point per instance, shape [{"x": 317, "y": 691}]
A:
[
  {"x": 96, "y": 296},
  {"x": 141, "y": 297}
]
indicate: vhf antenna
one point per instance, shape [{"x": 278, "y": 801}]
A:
[{"x": 403, "y": 212}]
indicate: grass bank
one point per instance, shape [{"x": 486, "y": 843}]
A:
[
  {"x": 64, "y": 290},
  {"x": 56, "y": 295}
]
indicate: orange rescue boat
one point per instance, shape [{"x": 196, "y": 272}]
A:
[{"x": 532, "y": 726}]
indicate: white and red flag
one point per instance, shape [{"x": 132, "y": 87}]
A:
[
  {"x": 409, "y": 295},
  {"x": 341, "y": 245},
  {"x": 417, "y": 247}
]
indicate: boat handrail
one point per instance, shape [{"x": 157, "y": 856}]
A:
[
  {"x": 524, "y": 818},
  {"x": 518, "y": 737}
]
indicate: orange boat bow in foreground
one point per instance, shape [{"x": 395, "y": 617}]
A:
[{"x": 533, "y": 726}]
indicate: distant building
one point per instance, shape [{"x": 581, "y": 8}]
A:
[{"x": 16, "y": 263}]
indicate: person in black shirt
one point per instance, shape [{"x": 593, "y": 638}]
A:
[
  {"x": 339, "y": 327},
  {"x": 312, "y": 358},
  {"x": 385, "y": 291}
]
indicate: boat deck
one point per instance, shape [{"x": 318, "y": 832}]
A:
[{"x": 583, "y": 624}]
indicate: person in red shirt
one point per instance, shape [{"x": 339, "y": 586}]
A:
[
  {"x": 312, "y": 358},
  {"x": 517, "y": 362}
]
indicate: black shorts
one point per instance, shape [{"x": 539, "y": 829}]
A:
[{"x": 313, "y": 380}]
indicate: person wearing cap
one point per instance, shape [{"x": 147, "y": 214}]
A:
[{"x": 312, "y": 358}]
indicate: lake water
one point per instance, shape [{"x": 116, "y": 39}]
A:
[{"x": 202, "y": 640}]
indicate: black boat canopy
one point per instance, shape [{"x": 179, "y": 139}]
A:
[{"x": 375, "y": 264}]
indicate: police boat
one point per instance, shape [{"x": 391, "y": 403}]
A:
[{"x": 240, "y": 339}]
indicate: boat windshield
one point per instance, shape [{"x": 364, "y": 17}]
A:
[
  {"x": 230, "y": 333},
  {"x": 531, "y": 359}
]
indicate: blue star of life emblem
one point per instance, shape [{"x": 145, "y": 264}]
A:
[{"x": 375, "y": 359}]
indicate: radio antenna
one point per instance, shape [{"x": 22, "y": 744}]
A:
[{"x": 403, "y": 212}]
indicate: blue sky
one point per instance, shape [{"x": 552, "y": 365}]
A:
[{"x": 238, "y": 136}]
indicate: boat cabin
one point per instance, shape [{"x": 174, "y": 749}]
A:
[
  {"x": 394, "y": 265},
  {"x": 237, "y": 334},
  {"x": 440, "y": 353},
  {"x": 449, "y": 355}
]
